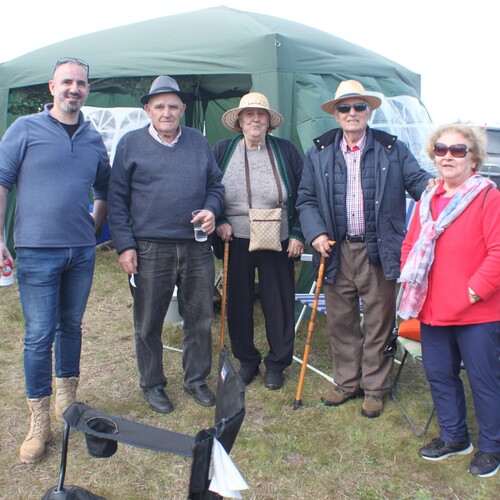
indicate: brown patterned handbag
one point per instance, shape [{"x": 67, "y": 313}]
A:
[{"x": 265, "y": 223}]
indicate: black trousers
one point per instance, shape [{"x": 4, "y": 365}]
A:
[{"x": 277, "y": 297}]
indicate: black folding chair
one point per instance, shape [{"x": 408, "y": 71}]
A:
[{"x": 103, "y": 432}]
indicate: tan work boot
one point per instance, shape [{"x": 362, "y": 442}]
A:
[
  {"x": 372, "y": 406},
  {"x": 65, "y": 394},
  {"x": 338, "y": 396},
  {"x": 40, "y": 435}
]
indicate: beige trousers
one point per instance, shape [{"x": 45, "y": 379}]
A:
[{"x": 358, "y": 360}]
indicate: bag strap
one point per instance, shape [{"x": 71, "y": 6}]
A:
[
  {"x": 486, "y": 194},
  {"x": 275, "y": 172}
]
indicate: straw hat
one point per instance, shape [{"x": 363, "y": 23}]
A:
[
  {"x": 251, "y": 100},
  {"x": 347, "y": 89},
  {"x": 163, "y": 85}
]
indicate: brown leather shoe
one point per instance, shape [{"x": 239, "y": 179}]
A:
[
  {"x": 338, "y": 396},
  {"x": 372, "y": 406}
]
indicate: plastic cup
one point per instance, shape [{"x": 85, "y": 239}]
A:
[{"x": 199, "y": 234}]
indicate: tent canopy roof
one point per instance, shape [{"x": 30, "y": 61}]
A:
[
  {"x": 217, "y": 55},
  {"x": 216, "y": 40}
]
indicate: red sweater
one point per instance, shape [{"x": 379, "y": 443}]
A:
[{"x": 467, "y": 254}]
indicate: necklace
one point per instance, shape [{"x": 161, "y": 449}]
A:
[{"x": 250, "y": 145}]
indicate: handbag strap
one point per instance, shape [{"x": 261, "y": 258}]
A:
[{"x": 275, "y": 172}]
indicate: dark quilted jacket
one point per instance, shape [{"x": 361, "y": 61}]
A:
[{"x": 388, "y": 169}]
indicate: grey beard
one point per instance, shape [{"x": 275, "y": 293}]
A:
[{"x": 71, "y": 107}]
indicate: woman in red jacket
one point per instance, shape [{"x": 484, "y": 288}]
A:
[{"x": 451, "y": 274}]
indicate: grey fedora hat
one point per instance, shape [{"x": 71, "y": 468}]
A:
[{"x": 163, "y": 85}]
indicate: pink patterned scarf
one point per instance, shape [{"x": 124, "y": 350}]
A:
[{"x": 416, "y": 270}]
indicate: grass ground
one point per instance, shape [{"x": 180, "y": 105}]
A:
[{"x": 311, "y": 453}]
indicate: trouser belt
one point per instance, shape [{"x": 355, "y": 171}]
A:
[{"x": 355, "y": 238}]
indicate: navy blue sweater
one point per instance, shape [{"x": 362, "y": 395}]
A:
[
  {"x": 154, "y": 188},
  {"x": 54, "y": 176}
]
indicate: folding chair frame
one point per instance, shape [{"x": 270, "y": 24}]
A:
[{"x": 393, "y": 394}]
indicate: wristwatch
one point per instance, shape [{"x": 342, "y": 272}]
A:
[{"x": 473, "y": 294}]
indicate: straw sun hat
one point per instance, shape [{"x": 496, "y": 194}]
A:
[
  {"x": 347, "y": 89},
  {"x": 251, "y": 100}
]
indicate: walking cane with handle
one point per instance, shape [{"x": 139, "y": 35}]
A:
[
  {"x": 224, "y": 291},
  {"x": 298, "y": 402}
]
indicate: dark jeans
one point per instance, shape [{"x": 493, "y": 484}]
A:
[
  {"x": 54, "y": 285},
  {"x": 160, "y": 267},
  {"x": 277, "y": 297},
  {"x": 443, "y": 348}
]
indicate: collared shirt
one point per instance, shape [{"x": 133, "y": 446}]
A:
[
  {"x": 157, "y": 137},
  {"x": 354, "y": 194}
]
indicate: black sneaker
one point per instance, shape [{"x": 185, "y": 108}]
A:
[
  {"x": 438, "y": 449},
  {"x": 485, "y": 464}
]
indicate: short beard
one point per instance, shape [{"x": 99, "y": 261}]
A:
[{"x": 70, "y": 107}]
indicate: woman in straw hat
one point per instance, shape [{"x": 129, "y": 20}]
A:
[{"x": 257, "y": 150}]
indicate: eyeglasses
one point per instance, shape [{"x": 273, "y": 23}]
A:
[
  {"x": 358, "y": 107},
  {"x": 456, "y": 150},
  {"x": 75, "y": 60}
]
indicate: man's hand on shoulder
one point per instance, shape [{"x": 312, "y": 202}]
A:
[{"x": 433, "y": 181}]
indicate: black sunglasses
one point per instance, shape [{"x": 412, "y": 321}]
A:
[
  {"x": 456, "y": 150},
  {"x": 345, "y": 108},
  {"x": 80, "y": 62}
]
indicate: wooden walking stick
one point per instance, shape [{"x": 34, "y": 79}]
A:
[
  {"x": 298, "y": 402},
  {"x": 224, "y": 291}
]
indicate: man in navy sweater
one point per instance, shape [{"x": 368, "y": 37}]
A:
[
  {"x": 55, "y": 159},
  {"x": 162, "y": 173}
]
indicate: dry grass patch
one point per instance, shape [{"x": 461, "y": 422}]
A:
[{"x": 314, "y": 452}]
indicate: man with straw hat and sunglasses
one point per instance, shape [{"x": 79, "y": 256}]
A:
[
  {"x": 353, "y": 191},
  {"x": 55, "y": 159}
]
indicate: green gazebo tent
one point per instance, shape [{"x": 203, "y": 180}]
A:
[{"x": 217, "y": 55}]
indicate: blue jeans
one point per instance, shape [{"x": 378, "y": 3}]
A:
[
  {"x": 160, "y": 267},
  {"x": 54, "y": 285}
]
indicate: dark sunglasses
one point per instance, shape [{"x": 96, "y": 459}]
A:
[
  {"x": 80, "y": 62},
  {"x": 456, "y": 150},
  {"x": 345, "y": 108}
]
